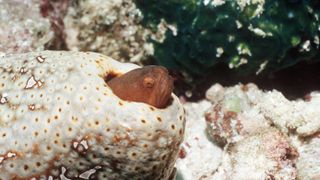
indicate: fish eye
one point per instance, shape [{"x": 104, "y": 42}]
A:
[{"x": 148, "y": 82}]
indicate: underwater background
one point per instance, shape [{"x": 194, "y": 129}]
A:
[
  {"x": 272, "y": 43},
  {"x": 252, "y": 39},
  {"x": 246, "y": 72}
]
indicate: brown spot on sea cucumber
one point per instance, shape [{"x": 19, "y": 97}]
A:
[
  {"x": 159, "y": 119},
  {"x": 36, "y": 149}
]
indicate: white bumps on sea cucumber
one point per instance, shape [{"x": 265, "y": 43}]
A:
[{"x": 59, "y": 119}]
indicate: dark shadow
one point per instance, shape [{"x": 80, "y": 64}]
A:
[{"x": 294, "y": 82}]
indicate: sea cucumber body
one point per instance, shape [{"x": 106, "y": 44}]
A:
[{"x": 59, "y": 118}]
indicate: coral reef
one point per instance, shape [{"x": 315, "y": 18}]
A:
[
  {"x": 55, "y": 12},
  {"x": 308, "y": 164},
  {"x": 253, "y": 36},
  {"x": 264, "y": 155},
  {"x": 110, "y": 27},
  {"x": 198, "y": 156},
  {"x": 231, "y": 116},
  {"x": 23, "y": 29},
  {"x": 66, "y": 115},
  {"x": 244, "y": 109},
  {"x": 266, "y": 129},
  {"x": 60, "y": 119}
]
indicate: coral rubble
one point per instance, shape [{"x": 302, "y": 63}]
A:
[
  {"x": 264, "y": 155},
  {"x": 263, "y": 133},
  {"x": 198, "y": 157},
  {"x": 110, "y": 27},
  {"x": 23, "y": 29}
]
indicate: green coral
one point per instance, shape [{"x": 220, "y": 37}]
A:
[{"x": 271, "y": 34}]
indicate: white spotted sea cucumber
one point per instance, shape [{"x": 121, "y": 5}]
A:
[{"x": 59, "y": 118}]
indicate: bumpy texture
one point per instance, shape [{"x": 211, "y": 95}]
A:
[
  {"x": 264, "y": 155},
  {"x": 245, "y": 109},
  {"x": 232, "y": 115},
  {"x": 55, "y": 12},
  {"x": 58, "y": 118},
  {"x": 23, "y": 29},
  {"x": 199, "y": 157},
  {"x": 254, "y": 36},
  {"x": 308, "y": 163},
  {"x": 110, "y": 27},
  {"x": 243, "y": 118}
]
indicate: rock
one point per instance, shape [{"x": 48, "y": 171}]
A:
[
  {"x": 113, "y": 28},
  {"x": 23, "y": 29},
  {"x": 199, "y": 157},
  {"x": 308, "y": 163},
  {"x": 245, "y": 109},
  {"x": 264, "y": 155},
  {"x": 264, "y": 135},
  {"x": 232, "y": 116}
]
